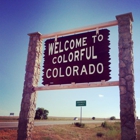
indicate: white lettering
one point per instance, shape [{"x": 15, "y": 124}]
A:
[
  {"x": 70, "y": 57},
  {"x": 101, "y": 68},
  {"x": 47, "y": 73},
  {"x": 91, "y": 69},
  {"x": 75, "y": 70},
  {"x": 94, "y": 38},
  {"x": 93, "y": 56},
  {"x": 60, "y": 50},
  {"x": 60, "y": 59},
  {"x": 72, "y": 44},
  {"x": 55, "y": 72},
  {"x": 65, "y": 47},
  {"x": 76, "y": 55},
  {"x": 100, "y": 38},
  {"x": 56, "y": 47},
  {"x": 54, "y": 62},
  {"x": 68, "y": 69},
  {"x": 78, "y": 43},
  {"x": 84, "y": 41},
  {"x": 51, "y": 46},
  {"x": 64, "y": 60},
  {"x": 88, "y": 53},
  {"x": 81, "y": 53},
  {"x": 60, "y": 73},
  {"x": 83, "y": 70}
]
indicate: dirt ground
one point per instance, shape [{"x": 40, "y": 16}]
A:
[
  {"x": 70, "y": 132},
  {"x": 59, "y": 132}
]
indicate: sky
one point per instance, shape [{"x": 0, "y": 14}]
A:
[{"x": 20, "y": 17}]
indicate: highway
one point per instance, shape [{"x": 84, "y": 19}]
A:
[{"x": 43, "y": 123}]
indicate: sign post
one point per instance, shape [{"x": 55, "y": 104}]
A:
[
  {"x": 81, "y": 116},
  {"x": 28, "y": 104},
  {"x": 81, "y": 103},
  {"x": 126, "y": 78}
]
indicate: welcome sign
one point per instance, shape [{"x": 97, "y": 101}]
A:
[{"x": 77, "y": 58}]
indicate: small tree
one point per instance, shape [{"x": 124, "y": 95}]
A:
[
  {"x": 112, "y": 118},
  {"x": 93, "y": 118},
  {"x": 41, "y": 113}
]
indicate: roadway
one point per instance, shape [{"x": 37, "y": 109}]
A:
[{"x": 44, "y": 123}]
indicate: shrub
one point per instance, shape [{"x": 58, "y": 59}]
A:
[
  {"x": 47, "y": 138},
  {"x": 93, "y": 118},
  {"x": 79, "y": 124},
  {"x": 100, "y": 134},
  {"x": 112, "y": 118},
  {"x": 104, "y": 124}
]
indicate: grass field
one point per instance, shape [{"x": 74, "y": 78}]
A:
[{"x": 111, "y": 131}]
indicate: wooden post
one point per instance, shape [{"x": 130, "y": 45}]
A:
[
  {"x": 78, "y": 30},
  {"x": 77, "y": 85},
  {"x": 28, "y": 104},
  {"x": 126, "y": 78}
]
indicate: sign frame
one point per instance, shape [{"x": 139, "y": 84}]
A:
[{"x": 127, "y": 96}]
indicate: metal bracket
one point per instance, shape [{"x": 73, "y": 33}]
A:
[
  {"x": 56, "y": 38},
  {"x": 97, "y": 31}
]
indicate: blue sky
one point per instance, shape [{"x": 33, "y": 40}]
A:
[{"x": 20, "y": 17}]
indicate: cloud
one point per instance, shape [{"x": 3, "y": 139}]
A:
[{"x": 100, "y": 95}]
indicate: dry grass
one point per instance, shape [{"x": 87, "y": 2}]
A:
[
  {"x": 8, "y": 134},
  {"x": 70, "y": 132},
  {"x": 50, "y": 118}
]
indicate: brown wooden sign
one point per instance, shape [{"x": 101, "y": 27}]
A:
[{"x": 77, "y": 58}]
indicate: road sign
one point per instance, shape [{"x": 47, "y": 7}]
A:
[
  {"x": 12, "y": 114},
  {"x": 80, "y": 103},
  {"x": 77, "y": 58}
]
